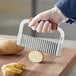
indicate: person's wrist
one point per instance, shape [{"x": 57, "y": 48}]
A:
[{"x": 60, "y": 13}]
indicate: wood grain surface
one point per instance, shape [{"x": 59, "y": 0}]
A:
[{"x": 51, "y": 66}]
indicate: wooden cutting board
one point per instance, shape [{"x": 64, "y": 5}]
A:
[{"x": 51, "y": 66}]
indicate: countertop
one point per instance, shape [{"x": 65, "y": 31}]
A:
[{"x": 67, "y": 43}]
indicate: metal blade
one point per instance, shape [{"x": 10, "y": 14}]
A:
[{"x": 40, "y": 44}]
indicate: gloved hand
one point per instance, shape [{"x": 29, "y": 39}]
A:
[{"x": 42, "y": 22}]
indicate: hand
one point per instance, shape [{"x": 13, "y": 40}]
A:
[{"x": 45, "y": 20}]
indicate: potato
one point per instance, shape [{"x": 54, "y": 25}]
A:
[
  {"x": 9, "y": 46},
  {"x": 36, "y": 56},
  {"x": 13, "y": 69}
]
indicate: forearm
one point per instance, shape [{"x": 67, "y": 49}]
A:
[
  {"x": 60, "y": 14},
  {"x": 68, "y": 8}
]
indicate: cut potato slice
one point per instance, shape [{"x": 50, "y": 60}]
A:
[
  {"x": 36, "y": 56},
  {"x": 13, "y": 69}
]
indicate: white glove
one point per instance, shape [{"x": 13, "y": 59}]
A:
[{"x": 41, "y": 22}]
